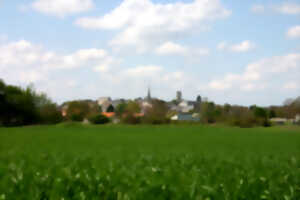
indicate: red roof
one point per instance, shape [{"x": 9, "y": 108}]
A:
[{"x": 108, "y": 114}]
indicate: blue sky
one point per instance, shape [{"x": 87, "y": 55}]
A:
[{"x": 239, "y": 52}]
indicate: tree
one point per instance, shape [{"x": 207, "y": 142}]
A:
[
  {"x": 157, "y": 113},
  {"x": 110, "y": 108},
  {"x": 25, "y": 106},
  {"x": 133, "y": 107},
  {"x": 131, "y": 110},
  {"x": 50, "y": 114},
  {"x": 77, "y": 110},
  {"x": 99, "y": 119},
  {"x": 209, "y": 113},
  {"x": 120, "y": 109},
  {"x": 272, "y": 114},
  {"x": 260, "y": 112}
]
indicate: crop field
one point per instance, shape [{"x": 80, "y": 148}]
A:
[{"x": 72, "y": 161}]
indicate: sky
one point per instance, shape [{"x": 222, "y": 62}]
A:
[{"x": 238, "y": 52}]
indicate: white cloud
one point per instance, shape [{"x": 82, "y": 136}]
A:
[
  {"x": 260, "y": 74},
  {"x": 258, "y": 8},
  {"x": 62, "y": 8},
  {"x": 143, "y": 23},
  {"x": 288, "y": 8},
  {"x": 294, "y": 32},
  {"x": 85, "y": 73},
  {"x": 244, "y": 46},
  {"x": 171, "y": 48},
  {"x": 25, "y": 62},
  {"x": 291, "y": 85}
]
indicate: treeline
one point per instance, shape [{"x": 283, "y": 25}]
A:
[
  {"x": 20, "y": 106},
  {"x": 247, "y": 116}
]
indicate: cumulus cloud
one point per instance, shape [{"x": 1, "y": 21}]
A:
[
  {"x": 294, "y": 32},
  {"x": 291, "y": 85},
  {"x": 288, "y": 8},
  {"x": 85, "y": 73},
  {"x": 26, "y": 62},
  {"x": 244, "y": 46},
  {"x": 142, "y": 23},
  {"x": 260, "y": 74},
  {"x": 62, "y": 8},
  {"x": 171, "y": 48},
  {"x": 258, "y": 8}
]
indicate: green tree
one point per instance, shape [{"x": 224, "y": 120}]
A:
[
  {"x": 77, "y": 110},
  {"x": 120, "y": 109},
  {"x": 110, "y": 108},
  {"x": 157, "y": 113}
]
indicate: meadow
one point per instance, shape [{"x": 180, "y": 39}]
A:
[{"x": 122, "y": 162}]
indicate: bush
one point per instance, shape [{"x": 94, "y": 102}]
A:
[
  {"x": 99, "y": 119},
  {"x": 131, "y": 119},
  {"x": 76, "y": 117},
  {"x": 49, "y": 114},
  {"x": 266, "y": 123}
]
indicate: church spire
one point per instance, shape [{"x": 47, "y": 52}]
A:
[{"x": 149, "y": 94}]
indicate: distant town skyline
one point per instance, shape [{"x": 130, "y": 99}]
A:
[{"x": 237, "y": 52}]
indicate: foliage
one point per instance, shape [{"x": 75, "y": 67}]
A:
[
  {"x": 110, "y": 109},
  {"x": 130, "y": 118},
  {"x": 129, "y": 114},
  {"x": 25, "y": 107},
  {"x": 120, "y": 109},
  {"x": 157, "y": 114},
  {"x": 132, "y": 107},
  {"x": 99, "y": 119},
  {"x": 50, "y": 114},
  {"x": 149, "y": 162},
  {"x": 209, "y": 112},
  {"x": 78, "y": 110}
]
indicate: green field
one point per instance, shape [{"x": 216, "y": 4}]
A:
[{"x": 149, "y": 162}]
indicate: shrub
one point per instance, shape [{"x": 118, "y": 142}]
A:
[
  {"x": 49, "y": 114},
  {"x": 99, "y": 119},
  {"x": 266, "y": 123},
  {"x": 131, "y": 119},
  {"x": 155, "y": 121},
  {"x": 76, "y": 117}
]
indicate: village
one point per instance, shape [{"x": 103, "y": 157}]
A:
[{"x": 178, "y": 109}]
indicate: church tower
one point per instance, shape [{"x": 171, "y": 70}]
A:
[{"x": 149, "y": 94}]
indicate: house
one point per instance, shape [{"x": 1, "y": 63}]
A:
[
  {"x": 117, "y": 102},
  {"x": 104, "y": 103},
  {"x": 297, "y": 118},
  {"x": 108, "y": 114},
  {"x": 186, "y": 117},
  {"x": 279, "y": 121},
  {"x": 64, "y": 110},
  {"x": 183, "y": 106},
  {"x": 186, "y": 106}
]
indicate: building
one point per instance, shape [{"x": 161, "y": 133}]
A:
[
  {"x": 104, "y": 103},
  {"x": 148, "y": 98},
  {"x": 64, "y": 110},
  {"x": 178, "y": 96},
  {"x": 186, "y": 106},
  {"x": 279, "y": 121},
  {"x": 186, "y": 117},
  {"x": 297, "y": 118}
]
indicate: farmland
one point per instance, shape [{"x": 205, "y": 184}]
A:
[{"x": 72, "y": 161}]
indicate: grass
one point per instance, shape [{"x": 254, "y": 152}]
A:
[{"x": 72, "y": 161}]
